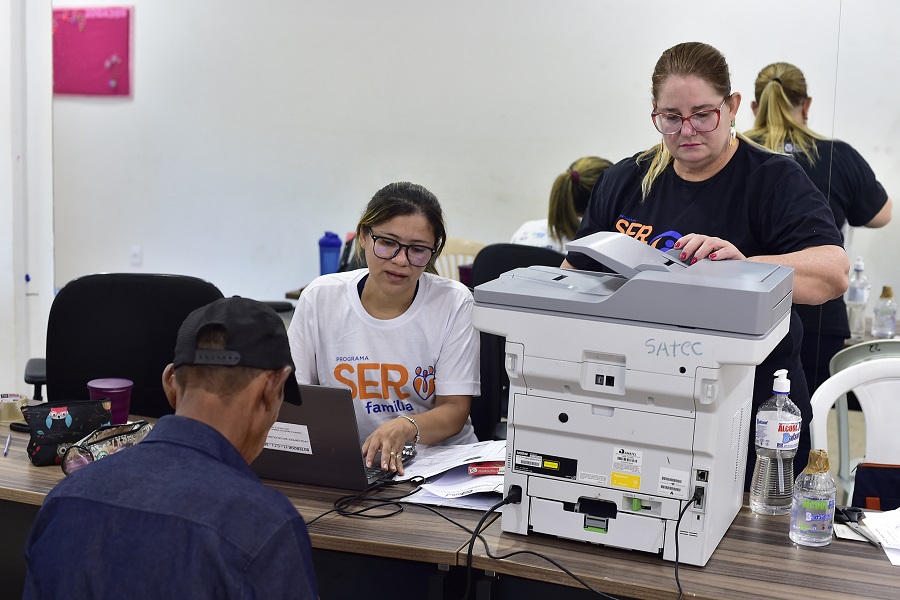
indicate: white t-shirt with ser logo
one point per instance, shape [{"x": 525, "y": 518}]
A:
[{"x": 392, "y": 367}]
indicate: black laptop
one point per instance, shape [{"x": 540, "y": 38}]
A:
[{"x": 317, "y": 443}]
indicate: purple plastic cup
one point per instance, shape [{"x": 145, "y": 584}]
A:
[{"x": 119, "y": 393}]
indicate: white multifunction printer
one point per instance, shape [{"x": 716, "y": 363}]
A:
[{"x": 629, "y": 391}]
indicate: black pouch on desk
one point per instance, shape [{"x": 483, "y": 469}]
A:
[
  {"x": 876, "y": 486},
  {"x": 56, "y": 426}
]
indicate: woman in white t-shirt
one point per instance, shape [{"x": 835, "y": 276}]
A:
[
  {"x": 568, "y": 201},
  {"x": 395, "y": 333}
]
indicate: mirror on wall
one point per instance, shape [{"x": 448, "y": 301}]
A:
[{"x": 867, "y": 118}]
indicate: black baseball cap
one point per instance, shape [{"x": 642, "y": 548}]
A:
[{"x": 255, "y": 337}]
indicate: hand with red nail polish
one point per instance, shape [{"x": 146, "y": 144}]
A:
[{"x": 699, "y": 246}]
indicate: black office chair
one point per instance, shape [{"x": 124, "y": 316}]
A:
[
  {"x": 490, "y": 408},
  {"x": 117, "y": 325}
]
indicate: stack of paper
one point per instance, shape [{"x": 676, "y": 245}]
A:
[{"x": 448, "y": 482}]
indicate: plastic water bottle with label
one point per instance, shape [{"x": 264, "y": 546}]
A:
[
  {"x": 812, "y": 513},
  {"x": 778, "y": 424},
  {"x": 857, "y": 299},
  {"x": 884, "y": 315}
]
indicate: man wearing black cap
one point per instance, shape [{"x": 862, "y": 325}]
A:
[{"x": 181, "y": 515}]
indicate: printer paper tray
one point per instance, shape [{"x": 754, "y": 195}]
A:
[{"x": 625, "y": 531}]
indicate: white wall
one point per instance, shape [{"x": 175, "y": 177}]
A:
[
  {"x": 26, "y": 186},
  {"x": 252, "y": 130},
  {"x": 10, "y": 192},
  {"x": 254, "y": 127}
]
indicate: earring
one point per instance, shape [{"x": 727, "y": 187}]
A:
[{"x": 733, "y": 133}]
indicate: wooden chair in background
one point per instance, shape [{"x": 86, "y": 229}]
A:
[{"x": 457, "y": 251}]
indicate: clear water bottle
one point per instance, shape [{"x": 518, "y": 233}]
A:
[
  {"x": 857, "y": 299},
  {"x": 778, "y": 424},
  {"x": 329, "y": 253},
  {"x": 812, "y": 511},
  {"x": 884, "y": 315}
]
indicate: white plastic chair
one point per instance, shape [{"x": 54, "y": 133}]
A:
[
  {"x": 456, "y": 252},
  {"x": 876, "y": 384},
  {"x": 852, "y": 355}
]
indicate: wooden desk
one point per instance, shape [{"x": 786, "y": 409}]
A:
[
  {"x": 755, "y": 559},
  {"x": 416, "y": 546},
  {"x": 20, "y": 481},
  {"x": 416, "y": 534}
]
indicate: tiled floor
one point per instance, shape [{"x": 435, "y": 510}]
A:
[{"x": 857, "y": 441}]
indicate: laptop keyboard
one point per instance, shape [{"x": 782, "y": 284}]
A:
[{"x": 374, "y": 474}]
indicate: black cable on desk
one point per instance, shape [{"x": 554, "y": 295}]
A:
[
  {"x": 342, "y": 505},
  {"x": 476, "y": 531},
  {"x": 513, "y": 497},
  {"x": 698, "y": 495}
]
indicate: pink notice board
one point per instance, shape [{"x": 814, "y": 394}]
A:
[{"x": 92, "y": 51}]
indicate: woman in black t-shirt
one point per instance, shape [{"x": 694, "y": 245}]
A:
[
  {"x": 712, "y": 193},
  {"x": 854, "y": 195}
]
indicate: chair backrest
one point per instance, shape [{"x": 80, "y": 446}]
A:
[
  {"x": 456, "y": 252},
  {"x": 496, "y": 259},
  {"x": 876, "y": 384},
  {"x": 491, "y": 262},
  {"x": 119, "y": 325},
  {"x": 855, "y": 354},
  {"x": 863, "y": 351}
]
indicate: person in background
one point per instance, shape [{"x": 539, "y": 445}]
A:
[
  {"x": 712, "y": 193},
  {"x": 568, "y": 200},
  {"x": 396, "y": 334},
  {"x": 856, "y": 198},
  {"x": 181, "y": 514}
]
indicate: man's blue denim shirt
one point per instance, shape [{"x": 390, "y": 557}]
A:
[{"x": 179, "y": 515}]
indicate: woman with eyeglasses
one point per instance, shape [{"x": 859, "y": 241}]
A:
[
  {"x": 713, "y": 194},
  {"x": 395, "y": 333},
  {"x": 855, "y": 196}
]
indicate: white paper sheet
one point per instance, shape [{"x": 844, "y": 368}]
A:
[
  {"x": 457, "y": 482},
  {"x": 448, "y": 482},
  {"x": 886, "y": 527},
  {"x": 479, "y": 502}
]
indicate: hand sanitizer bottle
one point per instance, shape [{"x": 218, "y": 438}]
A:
[
  {"x": 777, "y": 437},
  {"x": 812, "y": 512}
]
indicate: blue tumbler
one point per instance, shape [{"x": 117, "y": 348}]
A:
[{"x": 329, "y": 253}]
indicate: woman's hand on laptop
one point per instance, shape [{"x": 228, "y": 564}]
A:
[{"x": 389, "y": 439}]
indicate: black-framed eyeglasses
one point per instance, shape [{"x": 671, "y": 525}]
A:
[
  {"x": 702, "y": 121},
  {"x": 386, "y": 249}
]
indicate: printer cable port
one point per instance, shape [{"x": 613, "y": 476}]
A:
[{"x": 698, "y": 501}]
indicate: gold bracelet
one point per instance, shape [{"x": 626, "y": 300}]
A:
[{"x": 416, "y": 425}]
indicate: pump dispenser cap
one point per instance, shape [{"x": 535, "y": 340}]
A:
[
  {"x": 860, "y": 265},
  {"x": 781, "y": 385}
]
